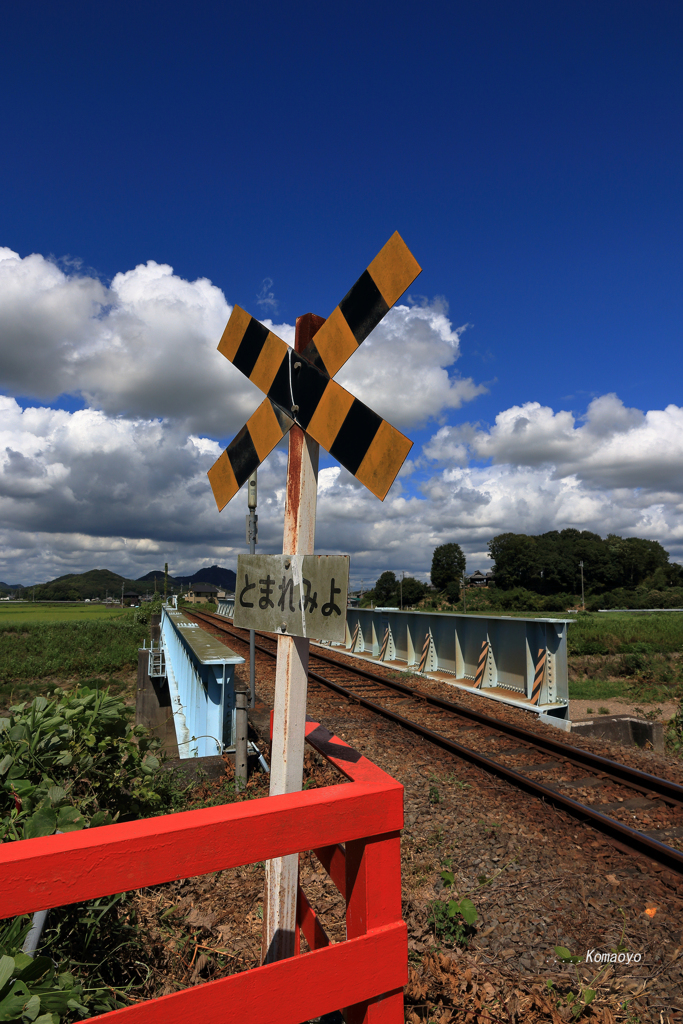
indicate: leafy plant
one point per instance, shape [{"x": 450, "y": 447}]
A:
[
  {"x": 453, "y": 921},
  {"x": 74, "y": 762},
  {"x": 32, "y": 989},
  {"x": 67, "y": 763}
]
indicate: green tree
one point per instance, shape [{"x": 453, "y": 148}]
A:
[
  {"x": 386, "y": 588},
  {"x": 448, "y": 565},
  {"x": 413, "y": 590}
]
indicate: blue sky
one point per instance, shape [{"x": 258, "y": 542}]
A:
[{"x": 528, "y": 153}]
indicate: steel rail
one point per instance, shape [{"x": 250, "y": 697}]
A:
[
  {"x": 652, "y": 848},
  {"x": 632, "y": 838},
  {"x": 636, "y": 779}
]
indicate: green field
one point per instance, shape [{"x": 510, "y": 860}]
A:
[
  {"x": 634, "y": 657},
  {"x": 621, "y": 633},
  {"x": 16, "y": 612},
  {"x": 54, "y": 648}
]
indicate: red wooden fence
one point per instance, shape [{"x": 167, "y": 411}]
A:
[{"x": 365, "y": 974}]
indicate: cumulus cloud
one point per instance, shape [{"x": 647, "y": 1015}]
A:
[
  {"x": 122, "y": 483},
  {"x": 145, "y": 347},
  {"x": 127, "y": 490},
  {"x": 611, "y": 446},
  {"x": 404, "y": 369},
  {"x": 82, "y": 490}
]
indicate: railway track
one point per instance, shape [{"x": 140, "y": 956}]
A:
[{"x": 642, "y": 813}]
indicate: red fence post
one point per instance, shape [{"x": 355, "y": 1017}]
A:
[
  {"x": 373, "y": 898},
  {"x": 57, "y": 870}
]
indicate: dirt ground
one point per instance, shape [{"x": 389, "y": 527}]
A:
[
  {"x": 537, "y": 878},
  {"x": 578, "y": 709}
]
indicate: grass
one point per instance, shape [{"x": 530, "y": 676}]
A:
[
  {"x": 634, "y": 657},
  {"x": 596, "y": 689},
  {"x": 12, "y": 613},
  {"x": 626, "y": 634},
  {"x": 35, "y": 651},
  {"x": 633, "y": 691}
]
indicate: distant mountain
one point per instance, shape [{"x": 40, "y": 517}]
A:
[
  {"x": 103, "y": 582},
  {"x": 95, "y": 583},
  {"x": 158, "y": 575},
  {"x": 8, "y": 586},
  {"x": 216, "y": 574}
]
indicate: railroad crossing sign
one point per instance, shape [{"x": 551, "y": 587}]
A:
[
  {"x": 299, "y": 387},
  {"x": 301, "y": 394}
]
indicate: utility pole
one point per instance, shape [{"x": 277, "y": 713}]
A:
[
  {"x": 165, "y": 580},
  {"x": 464, "y": 599},
  {"x": 252, "y": 537},
  {"x": 122, "y": 585},
  {"x": 583, "y": 600},
  {"x": 401, "y": 588}
]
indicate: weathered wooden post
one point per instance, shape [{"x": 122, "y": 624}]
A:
[{"x": 291, "y": 676}]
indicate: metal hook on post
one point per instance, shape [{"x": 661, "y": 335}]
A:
[{"x": 241, "y": 729}]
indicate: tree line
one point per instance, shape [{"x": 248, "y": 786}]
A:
[
  {"x": 550, "y": 563},
  {"x": 448, "y": 568},
  {"x": 544, "y": 572}
]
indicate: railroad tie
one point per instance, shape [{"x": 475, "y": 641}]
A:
[
  {"x": 539, "y": 676},
  {"x": 481, "y": 667}
]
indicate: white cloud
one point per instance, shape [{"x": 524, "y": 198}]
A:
[
  {"x": 404, "y": 369},
  {"x": 80, "y": 490},
  {"x": 122, "y": 484},
  {"x": 145, "y": 347},
  {"x": 612, "y": 446}
]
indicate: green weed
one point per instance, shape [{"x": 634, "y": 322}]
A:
[
  {"x": 674, "y": 735},
  {"x": 576, "y": 1002},
  {"x": 453, "y": 921}
]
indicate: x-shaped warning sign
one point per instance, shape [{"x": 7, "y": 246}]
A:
[{"x": 299, "y": 386}]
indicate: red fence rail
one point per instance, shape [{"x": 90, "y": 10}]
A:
[{"x": 365, "y": 974}]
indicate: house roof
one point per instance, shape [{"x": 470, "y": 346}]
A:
[{"x": 203, "y": 588}]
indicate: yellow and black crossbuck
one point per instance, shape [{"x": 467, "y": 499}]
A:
[{"x": 299, "y": 387}]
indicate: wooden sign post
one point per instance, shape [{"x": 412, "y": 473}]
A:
[
  {"x": 304, "y": 400},
  {"x": 291, "y": 680}
]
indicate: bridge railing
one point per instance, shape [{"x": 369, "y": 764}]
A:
[
  {"x": 523, "y": 658},
  {"x": 201, "y": 681},
  {"x": 364, "y": 974}
]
